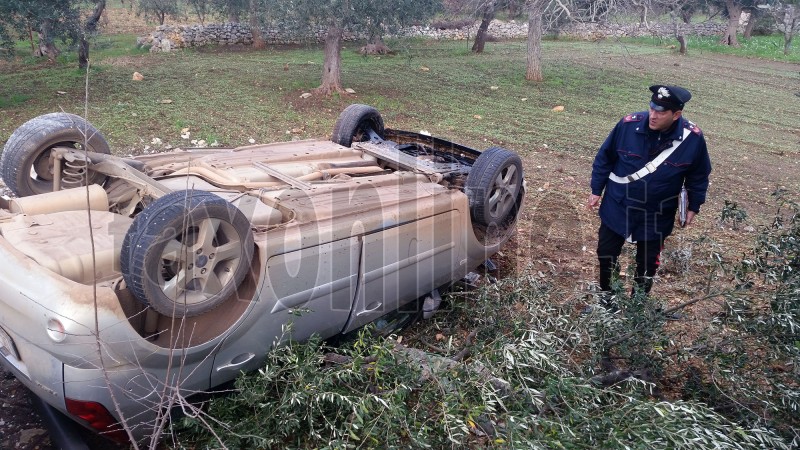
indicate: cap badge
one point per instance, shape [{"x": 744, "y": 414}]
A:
[{"x": 663, "y": 92}]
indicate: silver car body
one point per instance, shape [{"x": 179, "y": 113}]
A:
[{"x": 342, "y": 235}]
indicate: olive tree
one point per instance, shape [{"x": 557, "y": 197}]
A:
[
  {"x": 335, "y": 17},
  {"x": 89, "y": 29},
  {"x": 160, "y": 9},
  {"x": 231, "y": 10},
  {"x": 201, "y": 9},
  {"x": 51, "y": 21}
]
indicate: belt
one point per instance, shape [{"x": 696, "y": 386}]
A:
[{"x": 652, "y": 165}]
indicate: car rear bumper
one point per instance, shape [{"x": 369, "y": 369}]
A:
[
  {"x": 63, "y": 431},
  {"x": 55, "y": 364}
]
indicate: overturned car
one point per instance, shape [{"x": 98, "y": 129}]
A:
[{"x": 128, "y": 283}]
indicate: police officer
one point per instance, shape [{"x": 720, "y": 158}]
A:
[{"x": 639, "y": 170}]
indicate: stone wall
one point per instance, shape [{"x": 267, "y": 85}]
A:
[
  {"x": 593, "y": 31},
  {"x": 169, "y": 37}
]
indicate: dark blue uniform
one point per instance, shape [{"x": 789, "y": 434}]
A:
[{"x": 645, "y": 209}]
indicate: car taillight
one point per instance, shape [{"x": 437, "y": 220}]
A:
[{"x": 97, "y": 417}]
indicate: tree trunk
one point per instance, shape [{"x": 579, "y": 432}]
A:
[
  {"x": 734, "y": 13},
  {"x": 682, "y": 41},
  {"x": 46, "y": 46},
  {"x": 514, "y": 9},
  {"x": 643, "y": 16},
  {"x": 255, "y": 26},
  {"x": 331, "y": 68},
  {"x": 534, "y": 69},
  {"x": 790, "y": 19},
  {"x": 376, "y": 46},
  {"x": 483, "y": 30},
  {"x": 480, "y": 38},
  {"x": 33, "y": 44},
  {"x": 88, "y": 30},
  {"x": 676, "y": 26},
  {"x": 751, "y": 21},
  {"x": 233, "y": 16}
]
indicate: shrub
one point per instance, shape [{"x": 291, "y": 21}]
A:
[{"x": 529, "y": 383}]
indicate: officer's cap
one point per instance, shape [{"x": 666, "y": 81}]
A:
[{"x": 668, "y": 97}]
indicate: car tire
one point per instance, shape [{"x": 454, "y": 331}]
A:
[
  {"x": 493, "y": 186},
  {"x": 25, "y": 164},
  {"x": 171, "y": 254},
  {"x": 354, "y": 124}
]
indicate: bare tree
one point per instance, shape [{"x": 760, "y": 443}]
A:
[
  {"x": 680, "y": 12},
  {"x": 678, "y": 32},
  {"x": 488, "y": 10},
  {"x": 786, "y": 15},
  {"x": 643, "y": 6}
]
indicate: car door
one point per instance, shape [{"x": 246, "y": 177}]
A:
[
  {"x": 311, "y": 290},
  {"x": 402, "y": 263}
]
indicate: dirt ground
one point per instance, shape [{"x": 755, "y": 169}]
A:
[
  {"x": 125, "y": 20},
  {"x": 557, "y": 234}
]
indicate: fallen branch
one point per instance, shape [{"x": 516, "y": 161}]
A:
[
  {"x": 466, "y": 350},
  {"x": 432, "y": 366},
  {"x": 618, "y": 376},
  {"x": 433, "y": 348}
]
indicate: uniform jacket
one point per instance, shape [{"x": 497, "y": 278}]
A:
[{"x": 645, "y": 209}]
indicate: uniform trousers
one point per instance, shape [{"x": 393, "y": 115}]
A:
[{"x": 609, "y": 247}]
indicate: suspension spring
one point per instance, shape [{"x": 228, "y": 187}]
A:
[{"x": 73, "y": 174}]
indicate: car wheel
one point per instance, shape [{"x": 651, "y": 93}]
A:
[
  {"x": 186, "y": 253},
  {"x": 26, "y": 166},
  {"x": 357, "y": 123},
  {"x": 493, "y": 186}
]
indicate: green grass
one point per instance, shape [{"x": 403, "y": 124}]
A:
[
  {"x": 12, "y": 100},
  {"x": 764, "y": 47},
  {"x": 235, "y": 96}
]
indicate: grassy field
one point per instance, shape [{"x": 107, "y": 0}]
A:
[
  {"x": 763, "y": 47},
  {"x": 748, "y": 108}
]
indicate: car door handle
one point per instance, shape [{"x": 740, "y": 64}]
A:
[
  {"x": 370, "y": 310},
  {"x": 236, "y": 362}
]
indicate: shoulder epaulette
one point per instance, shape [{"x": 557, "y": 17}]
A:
[
  {"x": 632, "y": 118},
  {"x": 693, "y": 128}
]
